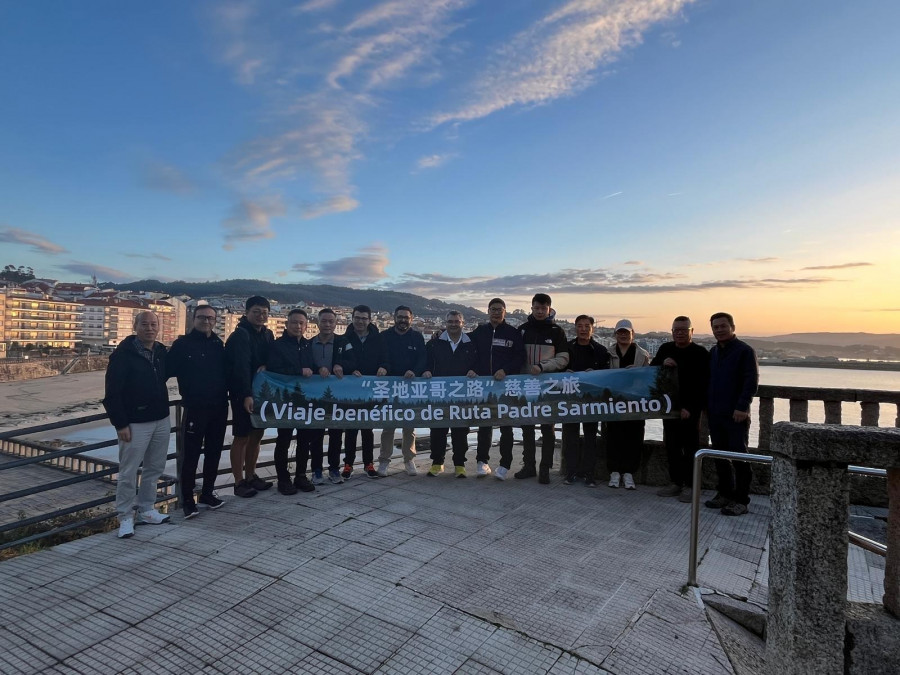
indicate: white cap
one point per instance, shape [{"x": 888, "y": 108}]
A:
[{"x": 624, "y": 324}]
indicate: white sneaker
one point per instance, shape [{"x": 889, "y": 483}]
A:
[
  {"x": 152, "y": 517},
  {"x": 501, "y": 473},
  {"x": 628, "y": 479},
  {"x": 383, "y": 467},
  {"x": 614, "y": 478},
  {"x": 483, "y": 469},
  {"x": 126, "y": 528},
  {"x": 411, "y": 468}
]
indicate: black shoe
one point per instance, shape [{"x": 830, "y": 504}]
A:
[
  {"x": 259, "y": 484},
  {"x": 190, "y": 510},
  {"x": 734, "y": 509},
  {"x": 211, "y": 501},
  {"x": 590, "y": 482},
  {"x": 569, "y": 480},
  {"x": 544, "y": 477},
  {"x": 286, "y": 487},
  {"x": 717, "y": 502},
  {"x": 303, "y": 484},
  {"x": 243, "y": 489},
  {"x": 526, "y": 472}
]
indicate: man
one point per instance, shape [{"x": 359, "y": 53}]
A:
[
  {"x": 197, "y": 360},
  {"x": 733, "y": 378},
  {"x": 453, "y": 353},
  {"x": 363, "y": 354},
  {"x": 290, "y": 355},
  {"x": 501, "y": 352},
  {"x": 246, "y": 352},
  {"x": 585, "y": 354},
  {"x": 546, "y": 351},
  {"x": 137, "y": 402},
  {"x": 326, "y": 350},
  {"x": 406, "y": 355},
  {"x": 682, "y": 435}
]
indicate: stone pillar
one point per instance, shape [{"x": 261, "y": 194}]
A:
[
  {"x": 869, "y": 414},
  {"x": 799, "y": 410},
  {"x": 892, "y": 563},
  {"x": 832, "y": 412},
  {"x": 766, "y": 418}
]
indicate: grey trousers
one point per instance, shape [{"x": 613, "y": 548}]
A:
[
  {"x": 149, "y": 446},
  {"x": 408, "y": 445}
]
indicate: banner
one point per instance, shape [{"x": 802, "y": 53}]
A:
[{"x": 371, "y": 402}]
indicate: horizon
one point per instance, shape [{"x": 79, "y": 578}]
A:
[{"x": 632, "y": 158}]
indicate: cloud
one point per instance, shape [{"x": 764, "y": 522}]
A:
[
  {"x": 38, "y": 244},
  {"x": 338, "y": 204},
  {"x": 243, "y": 47},
  {"x": 560, "y": 54},
  {"x": 367, "y": 267},
  {"x": 165, "y": 178},
  {"x": 250, "y": 220},
  {"x": 610, "y": 196},
  {"x": 760, "y": 260},
  {"x": 315, "y": 6},
  {"x": 633, "y": 262},
  {"x": 152, "y": 256},
  {"x": 433, "y": 161},
  {"x": 102, "y": 273},
  {"x": 838, "y": 267}
]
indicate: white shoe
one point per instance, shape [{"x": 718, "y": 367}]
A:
[
  {"x": 383, "y": 467},
  {"x": 628, "y": 479},
  {"x": 411, "y": 468},
  {"x": 126, "y": 528},
  {"x": 614, "y": 478},
  {"x": 152, "y": 517},
  {"x": 501, "y": 473},
  {"x": 483, "y": 469}
]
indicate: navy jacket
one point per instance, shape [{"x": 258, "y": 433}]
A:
[
  {"x": 593, "y": 356},
  {"x": 136, "y": 388},
  {"x": 199, "y": 364},
  {"x": 499, "y": 348},
  {"x": 693, "y": 374},
  {"x": 442, "y": 360},
  {"x": 289, "y": 355},
  {"x": 366, "y": 357},
  {"x": 733, "y": 377},
  {"x": 404, "y": 352},
  {"x": 245, "y": 351}
]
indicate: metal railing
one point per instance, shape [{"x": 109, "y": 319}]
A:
[{"x": 857, "y": 539}]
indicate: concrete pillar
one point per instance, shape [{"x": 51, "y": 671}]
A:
[
  {"x": 832, "y": 412},
  {"x": 869, "y": 414},
  {"x": 892, "y": 563},
  {"x": 799, "y": 410},
  {"x": 766, "y": 418}
]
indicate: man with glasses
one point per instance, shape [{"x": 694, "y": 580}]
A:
[
  {"x": 197, "y": 360},
  {"x": 363, "y": 354},
  {"x": 501, "y": 352},
  {"x": 682, "y": 435},
  {"x": 246, "y": 352}
]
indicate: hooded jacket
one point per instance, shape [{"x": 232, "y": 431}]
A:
[
  {"x": 245, "y": 351},
  {"x": 499, "y": 348},
  {"x": 366, "y": 357},
  {"x": 199, "y": 364},
  {"x": 545, "y": 344},
  {"x": 289, "y": 355},
  {"x": 442, "y": 360},
  {"x": 136, "y": 387}
]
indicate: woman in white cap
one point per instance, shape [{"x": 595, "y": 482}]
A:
[{"x": 625, "y": 440}]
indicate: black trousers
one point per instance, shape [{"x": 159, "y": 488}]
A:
[
  {"x": 624, "y": 443},
  {"x": 529, "y": 448},
  {"x": 580, "y": 463},
  {"x": 460, "y": 441},
  {"x": 368, "y": 446},
  {"x": 282, "y": 443},
  {"x": 485, "y": 438},
  {"x": 682, "y": 438},
  {"x": 202, "y": 433},
  {"x": 317, "y": 445},
  {"x": 734, "y": 477}
]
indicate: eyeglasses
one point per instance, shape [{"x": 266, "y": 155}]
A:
[{"x": 204, "y": 318}]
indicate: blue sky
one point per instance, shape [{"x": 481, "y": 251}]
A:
[{"x": 637, "y": 159}]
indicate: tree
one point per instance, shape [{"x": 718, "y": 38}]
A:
[{"x": 17, "y": 274}]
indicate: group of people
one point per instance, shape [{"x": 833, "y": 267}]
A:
[{"x": 213, "y": 375}]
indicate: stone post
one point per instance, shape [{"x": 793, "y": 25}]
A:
[
  {"x": 892, "y": 563},
  {"x": 799, "y": 410},
  {"x": 832, "y": 412},
  {"x": 766, "y": 418},
  {"x": 869, "y": 413}
]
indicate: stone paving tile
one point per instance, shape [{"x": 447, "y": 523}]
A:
[
  {"x": 391, "y": 567},
  {"x": 405, "y": 608},
  {"x": 513, "y": 654},
  {"x": 268, "y": 652},
  {"x": 317, "y": 663},
  {"x": 420, "y": 549},
  {"x": 569, "y": 665},
  {"x": 119, "y": 652},
  {"x": 386, "y": 539},
  {"x": 220, "y": 635},
  {"x": 352, "y": 530},
  {"x": 18, "y": 657},
  {"x": 475, "y": 668},
  {"x": 277, "y": 560},
  {"x": 379, "y": 518},
  {"x": 273, "y": 602},
  {"x": 322, "y": 545},
  {"x": 420, "y": 656},
  {"x": 240, "y": 551},
  {"x": 366, "y": 643},
  {"x": 726, "y": 573},
  {"x": 359, "y": 591},
  {"x": 317, "y": 622},
  {"x": 169, "y": 659},
  {"x": 457, "y": 631},
  {"x": 354, "y": 556},
  {"x": 140, "y": 605},
  {"x": 316, "y": 576},
  {"x": 191, "y": 579}
]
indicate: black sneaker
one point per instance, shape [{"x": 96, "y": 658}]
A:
[
  {"x": 286, "y": 487},
  {"x": 211, "y": 500},
  {"x": 717, "y": 502},
  {"x": 544, "y": 477},
  {"x": 190, "y": 510},
  {"x": 259, "y": 484},
  {"x": 526, "y": 472},
  {"x": 370, "y": 470},
  {"x": 569, "y": 480},
  {"x": 303, "y": 484},
  {"x": 243, "y": 489},
  {"x": 734, "y": 509},
  {"x": 590, "y": 482},
  {"x": 347, "y": 471}
]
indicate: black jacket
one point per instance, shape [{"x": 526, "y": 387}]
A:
[
  {"x": 366, "y": 357},
  {"x": 545, "y": 344},
  {"x": 499, "y": 348},
  {"x": 441, "y": 360},
  {"x": 404, "y": 352},
  {"x": 199, "y": 364},
  {"x": 693, "y": 373},
  {"x": 289, "y": 355},
  {"x": 593, "y": 356},
  {"x": 733, "y": 377},
  {"x": 136, "y": 388},
  {"x": 245, "y": 351}
]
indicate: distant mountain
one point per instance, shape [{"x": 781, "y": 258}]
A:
[
  {"x": 339, "y": 296},
  {"x": 838, "y": 339}
]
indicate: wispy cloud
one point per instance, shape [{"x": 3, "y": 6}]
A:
[
  {"x": 337, "y": 204},
  {"x": 165, "y": 178},
  {"x": 315, "y": 6},
  {"x": 367, "y": 267},
  {"x": 762, "y": 260},
  {"x": 842, "y": 266},
  {"x": 251, "y": 220},
  {"x": 633, "y": 262},
  {"x": 560, "y": 54},
  {"x": 39, "y": 244},
  {"x": 102, "y": 273},
  {"x": 611, "y": 195},
  {"x": 434, "y": 161},
  {"x": 151, "y": 256}
]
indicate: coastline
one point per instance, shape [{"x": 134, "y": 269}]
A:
[{"x": 890, "y": 366}]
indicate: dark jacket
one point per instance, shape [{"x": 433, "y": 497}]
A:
[
  {"x": 136, "y": 388},
  {"x": 499, "y": 348},
  {"x": 289, "y": 355},
  {"x": 545, "y": 344},
  {"x": 733, "y": 377},
  {"x": 199, "y": 364},
  {"x": 245, "y": 351},
  {"x": 366, "y": 357},
  {"x": 693, "y": 373},
  {"x": 404, "y": 352},
  {"x": 441, "y": 360},
  {"x": 592, "y": 356}
]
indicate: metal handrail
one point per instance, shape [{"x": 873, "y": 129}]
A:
[{"x": 855, "y": 538}]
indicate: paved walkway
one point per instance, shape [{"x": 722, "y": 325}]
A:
[{"x": 396, "y": 575}]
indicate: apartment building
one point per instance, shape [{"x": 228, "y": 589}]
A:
[{"x": 31, "y": 319}]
